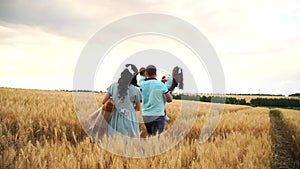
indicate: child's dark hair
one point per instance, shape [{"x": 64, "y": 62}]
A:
[{"x": 142, "y": 71}]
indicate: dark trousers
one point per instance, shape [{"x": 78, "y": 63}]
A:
[{"x": 154, "y": 124}]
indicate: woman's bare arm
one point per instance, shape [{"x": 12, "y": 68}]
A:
[
  {"x": 138, "y": 106},
  {"x": 105, "y": 98}
]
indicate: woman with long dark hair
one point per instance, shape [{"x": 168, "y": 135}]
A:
[
  {"x": 126, "y": 97},
  {"x": 176, "y": 80}
]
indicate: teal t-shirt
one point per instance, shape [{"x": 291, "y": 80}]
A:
[
  {"x": 142, "y": 79},
  {"x": 153, "y": 98}
]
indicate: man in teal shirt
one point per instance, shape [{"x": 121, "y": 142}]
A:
[{"x": 153, "y": 92}]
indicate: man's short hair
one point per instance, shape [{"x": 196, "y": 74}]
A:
[{"x": 151, "y": 70}]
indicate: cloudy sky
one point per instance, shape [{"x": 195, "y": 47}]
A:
[{"x": 257, "y": 42}]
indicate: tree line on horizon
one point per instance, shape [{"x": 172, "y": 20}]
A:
[{"x": 269, "y": 102}]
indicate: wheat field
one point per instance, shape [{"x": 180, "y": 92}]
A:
[
  {"x": 40, "y": 129},
  {"x": 292, "y": 122}
]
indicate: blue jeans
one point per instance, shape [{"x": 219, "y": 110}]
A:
[{"x": 154, "y": 124}]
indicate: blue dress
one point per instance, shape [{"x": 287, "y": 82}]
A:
[{"x": 124, "y": 118}]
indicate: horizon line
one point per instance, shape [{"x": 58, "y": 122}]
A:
[{"x": 188, "y": 93}]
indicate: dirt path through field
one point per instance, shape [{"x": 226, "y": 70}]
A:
[{"x": 283, "y": 145}]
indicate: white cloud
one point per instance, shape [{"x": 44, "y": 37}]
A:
[
  {"x": 254, "y": 39},
  {"x": 287, "y": 82},
  {"x": 28, "y": 52}
]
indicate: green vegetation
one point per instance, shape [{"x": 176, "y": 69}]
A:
[
  {"x": 269, "y": 102},
  {"x": 213, "y": 99},
  {"x": 282, "y": 102},
  {"x": 295, "y": 95}
]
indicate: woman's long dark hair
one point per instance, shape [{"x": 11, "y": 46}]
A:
[
  {"x": 128, "y": 76},
  {"x": 177, "y": 75}
]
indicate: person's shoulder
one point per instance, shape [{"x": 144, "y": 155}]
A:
[
  {"x": 162, "y": 85},
  {"x": 142, "y": 78},
  {"x": 142, "y": 83},
  {"x": 134, "y": 90},
  {"x": 112, "y": 88},
  {"x": 159, "y": 83},
  {"x": 133, "y": 87},
  {"x": 114, "y": 85}
]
